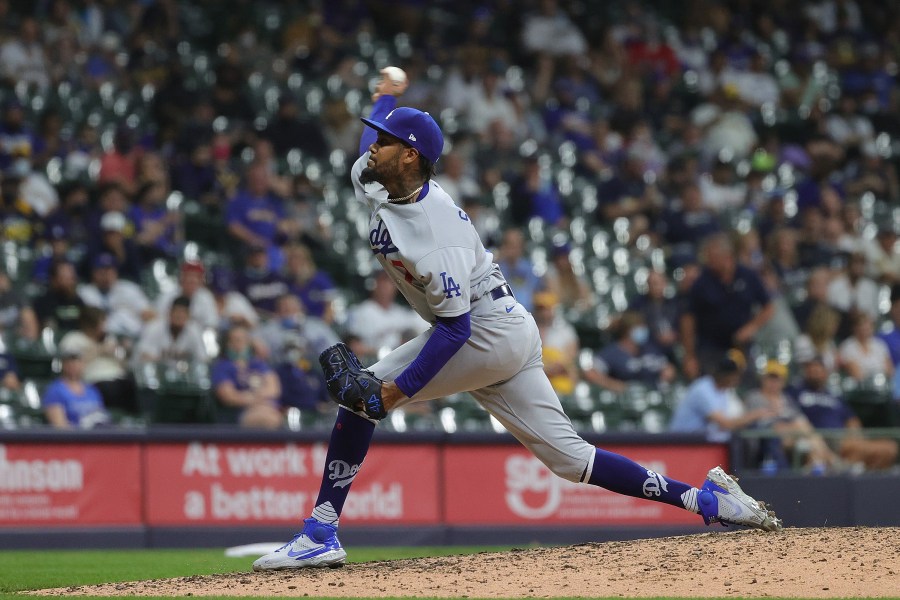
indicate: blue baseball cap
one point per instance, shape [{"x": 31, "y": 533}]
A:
[
  {"x": 414, "y": 128},
  {"x": 104, "y": 261}
]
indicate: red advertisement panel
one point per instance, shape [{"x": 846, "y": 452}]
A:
[
  {"x": 206, "y": 484},
  {"x": 70, "y": 484},
  {"x": 506, "y": 485}
]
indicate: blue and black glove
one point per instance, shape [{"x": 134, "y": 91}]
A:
[{"x": 349, "y": 384}]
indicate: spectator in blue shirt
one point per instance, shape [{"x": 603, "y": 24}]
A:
[
  {"x": 72, "y": 402},
  {"x": 826, "y": 410},
  {"x": 710, "y": 405},
  {"x": 259, "y": 283},
  {"x": 727, "y": 306},
  {"x": 631, "y": 358},
  {"x": 517, "y": 268},
  {"x": 255, "y": 216},
  {"x": 313, "y": 286},
  {"x": 156, "y": 228},
  {"x": 245, "y": 383}
]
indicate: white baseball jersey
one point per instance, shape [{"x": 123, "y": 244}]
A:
[
  {"x": 432, "y": 252},
  {"x": 429, "y": 248}
]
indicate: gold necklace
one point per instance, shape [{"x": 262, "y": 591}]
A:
[{"x": 406, "y": 198}]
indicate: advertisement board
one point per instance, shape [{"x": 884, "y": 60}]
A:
[
  {"x": 208, "y": 483},
  {"x": 70, "y": 484},
  {"x": 506, "y": 485}
]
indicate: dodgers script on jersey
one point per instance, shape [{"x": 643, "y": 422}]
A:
[{"x": 429, "y": 248}]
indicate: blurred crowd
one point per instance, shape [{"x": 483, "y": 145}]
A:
[{"x": 698, "y": 201}]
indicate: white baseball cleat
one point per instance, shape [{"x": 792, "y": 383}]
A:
[
  {"x": 316, "y": 546},
  {"x": 721, "y": 500}
]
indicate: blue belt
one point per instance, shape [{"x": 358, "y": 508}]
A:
[{"x": 501, "y": 292}]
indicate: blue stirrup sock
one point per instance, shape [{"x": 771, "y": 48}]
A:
[
  {"x": 347, "y": 449},
  {"x": 624, "y": 476}
]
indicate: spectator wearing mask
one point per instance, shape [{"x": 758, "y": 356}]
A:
[
  {"x": 243, "y": 382},
  {"x": 71, "y": 402},
  {"x": 660, "y": 313},
  {"x": 294, "y": 341},
  {"x": 289, "y": 322},
  {"x": 172, "y": 338},
  {"x": 124, "y": 302},
  {"x": 631, "y": 358},
  {"x": 34, "y": 189}
]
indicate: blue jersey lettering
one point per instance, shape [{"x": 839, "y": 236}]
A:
[
  {"x": 450, "y": 286},
  {"x": 380, "y": 239}
]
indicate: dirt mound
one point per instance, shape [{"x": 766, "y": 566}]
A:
[{"x": 812, "y": 563}]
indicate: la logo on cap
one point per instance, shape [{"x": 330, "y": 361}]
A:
[{"x": 412, "y": 137}]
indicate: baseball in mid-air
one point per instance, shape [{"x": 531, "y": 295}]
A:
[{"x": 395, "y": 74}]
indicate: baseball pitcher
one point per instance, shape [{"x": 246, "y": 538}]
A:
[{"x": 481, "y": 341}]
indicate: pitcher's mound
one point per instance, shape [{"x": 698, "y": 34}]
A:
[{"x": 812, "y": 563}]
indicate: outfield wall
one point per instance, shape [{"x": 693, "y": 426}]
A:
[{"x": 199, "y": 487}]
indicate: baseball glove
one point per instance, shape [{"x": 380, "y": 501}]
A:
[{"x": 349, "y": 384}]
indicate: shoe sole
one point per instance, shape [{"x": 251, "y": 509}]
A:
[
  {"x": 330, "y": 563},
  {"x": 768, "y": 522}
]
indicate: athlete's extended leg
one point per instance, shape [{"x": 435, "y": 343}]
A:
[
  {"x": 528, "y": 407},
  {"x": 317, "y": 544}
]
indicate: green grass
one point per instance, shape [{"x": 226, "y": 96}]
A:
[{"x": 31, "y": 570}]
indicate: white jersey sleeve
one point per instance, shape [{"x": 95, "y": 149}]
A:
[{"x": 372, "y": 194}]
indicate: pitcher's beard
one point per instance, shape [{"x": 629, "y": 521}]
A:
[{"x": 368, "y": 175}]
